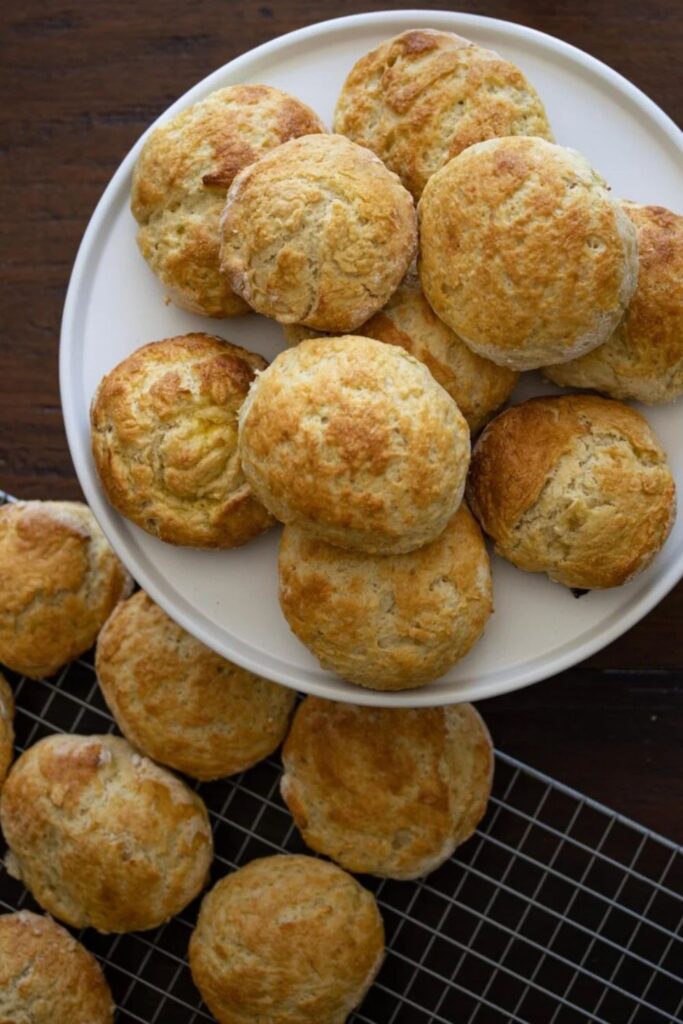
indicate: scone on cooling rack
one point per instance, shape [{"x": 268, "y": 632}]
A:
[
  {"x": 47, "y": 977},
  {"x": 101, "y": 836},
  {"x": 388, "y": 622},
  {"x": 575, "y": 486},
  {"x": 387, "y": 791},
  {"x": 59, "y": 582},
  {"x": 288, "y": 940},
  {"x": 183, "y": 174},
  {"x": 164, "y": 441},
  {"x": 317, "y": 232},
  {"x": 6, "y": 728},
  {"x": 179, "y": 702},
  {"x": 355, "y": 441}
]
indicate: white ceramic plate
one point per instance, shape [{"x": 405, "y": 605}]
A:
[{"x": 114, "y": 304}]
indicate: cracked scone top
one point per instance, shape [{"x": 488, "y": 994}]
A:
[
  {"x": 419, "y": 99},
  {"x": 47, "y": 977},
  {"x": 318, "y": 232},
  {"x": 101, "y": 836},
  {"x": 6, "y": 727},
  {"x": 524, "y": 253},
  {"x": 355, "y": 441},
  {"x": 59, "y": 582},
  {"x": 577, "y": 487},
  {"x": 181, "y": 179}
]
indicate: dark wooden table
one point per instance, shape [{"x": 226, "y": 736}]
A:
[{"x": 80, "y": 82}]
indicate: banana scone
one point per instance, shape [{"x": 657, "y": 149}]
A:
[
  {"x": 524, "y": 253},
  {"x": 164, "y": 441},
  {"x": 419, "y": 99},
  {"x": 387, "y": 791},
  {"x": 103, "y": 837},
  {"x": 577, "y": 487},
  {"x": 318, "y": 232},
  {"x": 59, "y": 581},
  {"x": 388, "y": 622},
  {"x": 182, "y": 177},
  {"x": 287, "y": 940},
  {"x": 6, "y": 728},
  {"x": 643, "y": 359}
]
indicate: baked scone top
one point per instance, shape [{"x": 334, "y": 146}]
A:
[{"x": 6, "y": 727}]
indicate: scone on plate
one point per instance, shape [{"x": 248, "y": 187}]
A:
[
  {"x": 287, "y": 940},
  {"x": 524, "y": 253},
  {"x": 59, "y": 582},
  {"x": 164, "y": 441},
  {"x": 6, "y": 728},
  {"x": 179, "y": 702},
  {"x": 419, "y": 99},
  {"x": 355, "y": 441},
  {"x": 47, "y": 977},
  {"x": 577, "y": 487},
  {"x": 388, "y": 622},
  {"x": 317, "y": 232},
  {"x": 387, "y": 791},
  {"x": 643, "y": 359},
  {"x": 183, "y": 174},
  {"x": 103, "y": 837}
]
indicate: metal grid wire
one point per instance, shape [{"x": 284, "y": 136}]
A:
[{"x": 557, "y": 911}]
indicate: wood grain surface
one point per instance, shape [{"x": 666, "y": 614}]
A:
[{"x": 79, "y": 83}]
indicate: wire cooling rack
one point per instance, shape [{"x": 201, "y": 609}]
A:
[{"x": 558, "y": 910}]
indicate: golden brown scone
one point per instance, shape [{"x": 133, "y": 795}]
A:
[
  {"x": 164, "y": 440},
  {"x": 388, "y": 622},
  {"x": 643, "y": 359},
  {"x": 419, "y": 99},
  {"x": 101, "y": 836},
  {"x": 476, "y": 385},
  {"x": 356, "y": 442},
  {"x": 179, "y": 702},
  {"x": 182, "y": 177},
  {"x": 59, "y": 580},
  {"x": 47, "y": 977},
  {"x": 387, "y": 791},
  {"x": 6, "y": 727},
  {"x": 318, "y": 232},
  {"x": 286, "y": 940},
  {"x": 524, "y": 252},
  {"x": 577, "y": 487}
]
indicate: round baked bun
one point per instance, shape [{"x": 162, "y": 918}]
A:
[
  {"x": 318, "y": 232},
  {"x": 643, "y": 360},
  {"x": 355, "y": 441},
  {"x": 387, "y": 791},
  {"x": 59, "y": 582},
  {"x": 388, "y": 622},
  {"x": 524, "y": 252},
  {"x": 182, "y": 177},
  {"x": 47, "y": 977},
  {"x": 6, "y": 728},
  {"x": 164, "y": 441},
  {"x": 180, "y": 703},
  {"x": 287, "y": 940},
  {"x": 577, "y": 487},
  {"x": 101, "y": 836},
  {"x": 422, "y": 97}
]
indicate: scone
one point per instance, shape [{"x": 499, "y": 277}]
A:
[
  {"x": 317, "y": 232},
  {"x": 101, "y": 836},
  {"x": 388, "y": 622},
  {"x": 164, "y": 441},
  {"x": 6, "y": 728},
  {"x": 643, "y": 360},
  {"x": 59, "y": 580},
  {"x": 577, "y": 487},
  {"x": 476, "y": 385},
  {"x": 179, "y": 702},
  {"x": 524, "y": 253},
  {"x": 387, "y": 791},
  {"x": 419, "y": 99},
  {"x": 287, "y": 940},
  {"x": 355, "y": 441},
  {"x": 47, "y": 977},
  {"x": 183, "y": 174}
]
